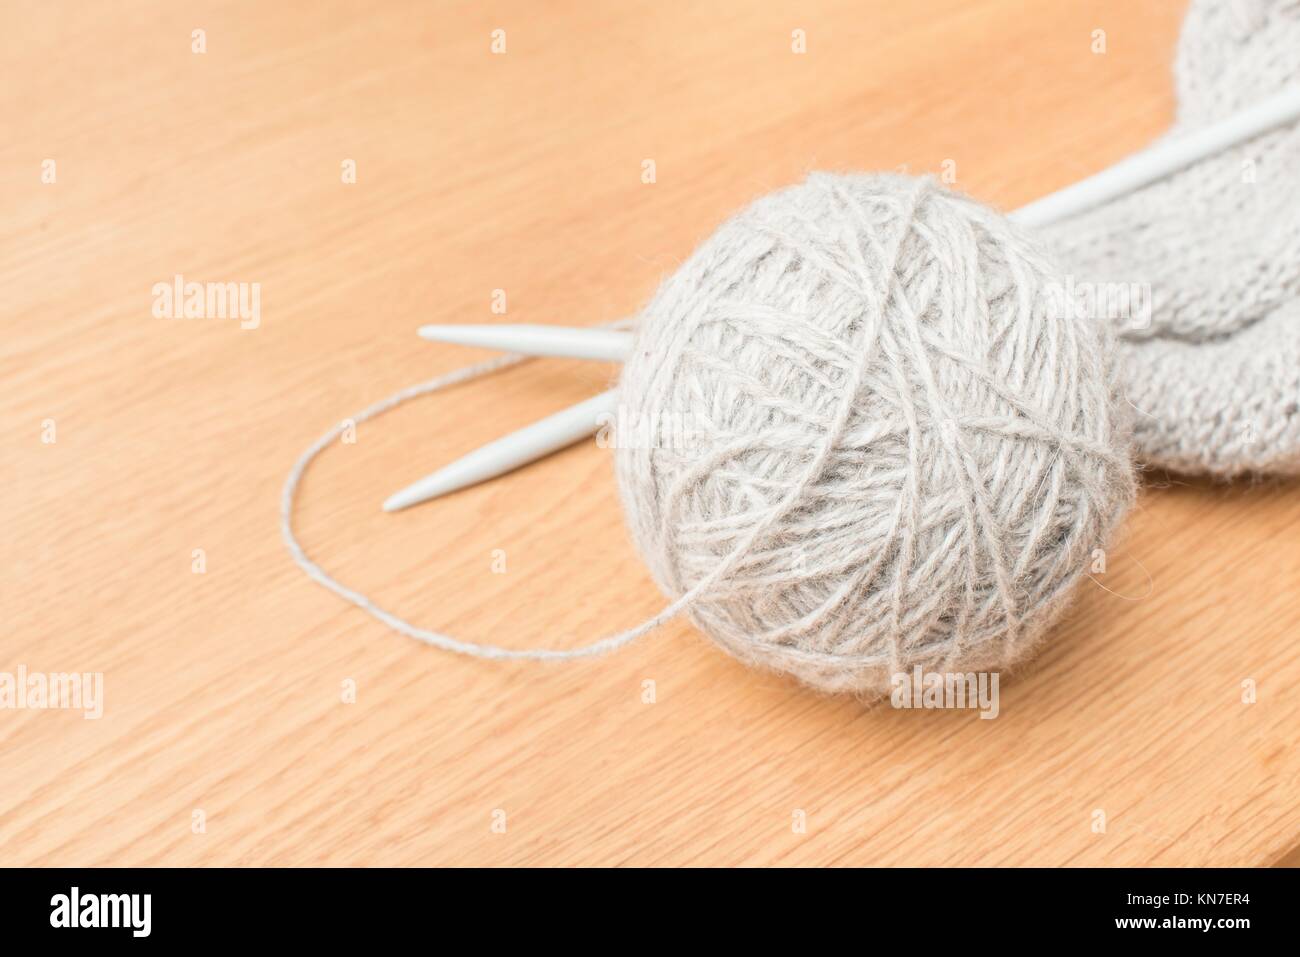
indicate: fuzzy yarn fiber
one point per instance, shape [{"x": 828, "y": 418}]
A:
[{"x": 900, "y": 455}]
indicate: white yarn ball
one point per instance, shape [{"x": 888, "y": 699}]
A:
[{"x": 856, "y": 428}]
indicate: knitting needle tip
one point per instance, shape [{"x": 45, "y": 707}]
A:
[
  {"x": 506, "y": 454},
  {"x": 442, "y": 482},
  {"x": 404, "y": 499}
]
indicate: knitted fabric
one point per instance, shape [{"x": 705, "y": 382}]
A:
[
  {"x": 1213, "y": 367},
  {"x": 900, "y": 453}
]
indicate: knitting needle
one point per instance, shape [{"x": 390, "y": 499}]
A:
[
  {"x": 607, "y": 345},
  {"x": 572, "y": 425},
  {"x": 519, "y": 448},
  {"x": 567, "y": 342},
  {"x": 1162, "y": 159}
]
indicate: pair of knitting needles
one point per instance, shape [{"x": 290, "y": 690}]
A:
[{"x": 574, "y": 424}]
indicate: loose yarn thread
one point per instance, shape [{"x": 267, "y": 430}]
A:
[
  {"x": 318, "y": 574},
  {"x": 446, "y": 642}
]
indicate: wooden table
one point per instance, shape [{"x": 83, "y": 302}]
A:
[{"x": 132, "y": 442}]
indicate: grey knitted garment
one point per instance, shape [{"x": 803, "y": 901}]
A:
[
  {"x": 1212, "y": 367},
  {"x": 860, "y": 439}
]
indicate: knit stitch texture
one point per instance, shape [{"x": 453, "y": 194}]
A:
[{"x": 1213, "y": 369}]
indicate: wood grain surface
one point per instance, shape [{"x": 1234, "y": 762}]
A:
[{"x": 225, "y": 736}]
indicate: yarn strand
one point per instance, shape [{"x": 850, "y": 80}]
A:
[{"x": 317, "y": 573}]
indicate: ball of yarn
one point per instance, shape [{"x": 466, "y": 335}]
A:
[{"x": 861, "y": 435}]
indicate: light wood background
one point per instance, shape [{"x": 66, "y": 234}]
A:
[{"x": 522, "y": 171}]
